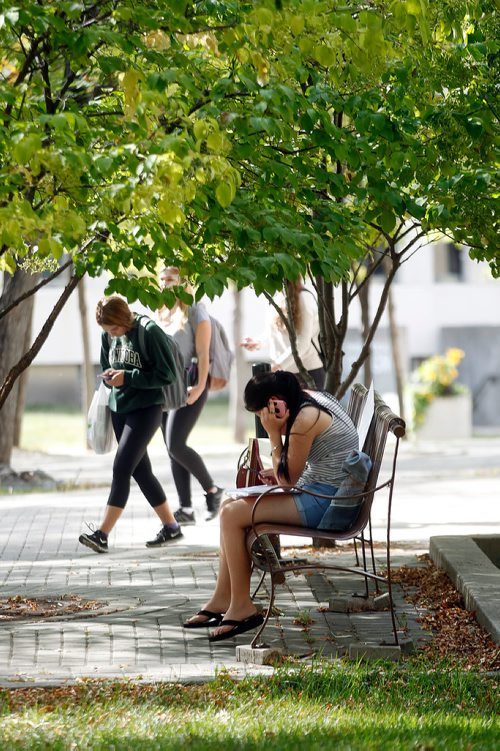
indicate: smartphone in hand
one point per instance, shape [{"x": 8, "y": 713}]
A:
[{"x": 278, "y": 405}]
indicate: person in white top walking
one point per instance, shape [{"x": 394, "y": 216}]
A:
[{"x": 305, "y": 323}]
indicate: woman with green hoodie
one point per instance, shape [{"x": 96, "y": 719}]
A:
[{"x": 135, "y": 401}]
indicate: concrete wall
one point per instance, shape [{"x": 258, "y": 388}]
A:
[{"x": 480, "y": 368}]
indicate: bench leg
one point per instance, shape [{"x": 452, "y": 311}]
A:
[
  {"x": 256, "y": 640},
  {"x": 259, "y": 585}
]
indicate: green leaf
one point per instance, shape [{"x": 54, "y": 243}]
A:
[
  {"x": 219, "y": 134},
  {"x": 7, "y": 263},
  {"x": 44, "y": 247},
  {"x": 387, "y": 221},
  {"x": 297, "y": 24},
  {"x": 474, "y": 127},
  {"x": 26, "y": 148},
  {"x": 111, "y": 63},
  {"x": 396, "y": 161},
  {"x": 363, "y": 120},
  {"x": 201, "y": 129},
  {"x": 218, "y": 142},
  {"x": 325, "y": 56},
  {"x": 224, "y": 193},
  {"x": 267, "y": 124},
  {"x": 170, "y": 213}
]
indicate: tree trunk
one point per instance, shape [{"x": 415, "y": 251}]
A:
[
  {"x": 21, "y": 397},
  {"x": 332, "y": 331},
  {"x": 14, "y": 362},
  {"x": 15, "y": 331}
]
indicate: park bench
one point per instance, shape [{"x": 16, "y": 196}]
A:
[{"x": 274, "y": 567}]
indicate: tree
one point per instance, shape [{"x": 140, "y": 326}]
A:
[
  {"x": 76, "y": 148},
  {"x": 246, "y": 142}
]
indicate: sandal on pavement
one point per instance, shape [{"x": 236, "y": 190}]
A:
[
  {"x": 212, "y": 619},
  {"x": 239, "y": 627}
]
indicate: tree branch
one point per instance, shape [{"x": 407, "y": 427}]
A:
[
  {"x": 373, "y": 328},
  {"x": 35, "y": 289},
  {"x": 35, "y": 348},
  {"x": 287, "y": 318},
  {"x": 26, "y": 67},
  {"x": 50, "y": 278},
  {"x": 44, "y": 67}
]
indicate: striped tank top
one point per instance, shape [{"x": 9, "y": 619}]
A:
[{"x": 330, "y": 448}]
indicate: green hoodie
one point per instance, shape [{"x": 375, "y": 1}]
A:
[{"x": 144, "y": 380}]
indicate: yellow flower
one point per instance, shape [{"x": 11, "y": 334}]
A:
[
  {"x": 454, "y": 355},
  {"x": 435, "y": 377}
]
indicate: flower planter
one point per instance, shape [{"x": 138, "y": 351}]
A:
[{"x": 447, "y": 418}]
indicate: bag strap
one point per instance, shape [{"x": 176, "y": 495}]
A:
[
  {"x": 141, "y": 338},
  {"x": 255, "y": 462}
]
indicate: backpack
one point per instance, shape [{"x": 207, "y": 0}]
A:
[
  {"x": 174, "y": 394},
  {"x": 220, "y": 355}
]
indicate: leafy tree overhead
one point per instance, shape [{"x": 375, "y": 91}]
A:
[
  {"x": 168, "y": 127},
  {"x": 245, "y": 141}
]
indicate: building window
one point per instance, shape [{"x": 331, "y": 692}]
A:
[{"x": 448, "y": 263}]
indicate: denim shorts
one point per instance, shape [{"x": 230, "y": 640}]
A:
[{"x": 310, "y": 508}]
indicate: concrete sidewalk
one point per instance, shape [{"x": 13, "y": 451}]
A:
[{"x": 147, "y": 593}]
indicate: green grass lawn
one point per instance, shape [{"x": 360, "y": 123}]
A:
[
  {"x": 59, "y": 429},
  {"x": 334, "y": 706}
]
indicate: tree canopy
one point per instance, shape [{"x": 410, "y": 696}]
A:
[{"x": 244, "y": 141}]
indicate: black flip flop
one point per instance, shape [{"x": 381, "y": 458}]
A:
[
  {"x": 239, "y": 627},
  {"x": 213, "y": 619}
]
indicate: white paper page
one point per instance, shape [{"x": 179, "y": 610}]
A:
[
  {"x": 251, "y": 490},
  {"x": 366, "y": 416}
]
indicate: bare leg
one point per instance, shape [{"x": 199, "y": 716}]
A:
[
  {"x": 234, "y": 520},
  {"x": 221, "y": 597},
  {"x": 111, "y": 516},
  {"x": 165, "y": 514},
  {"x": 235, "y": 568},
  {"x": 113, "y": 513}
]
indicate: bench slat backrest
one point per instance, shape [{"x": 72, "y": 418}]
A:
[
  {"x": 357, "y": 399},
  {"x": 383, "y": 421}
]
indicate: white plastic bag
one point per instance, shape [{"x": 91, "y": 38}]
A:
[{"x": 100, "y": 433}]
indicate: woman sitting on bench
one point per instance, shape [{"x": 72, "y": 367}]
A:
[{"x": 309, "y": 443}]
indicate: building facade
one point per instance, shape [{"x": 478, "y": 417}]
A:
[{"x": 441, "y": 299}]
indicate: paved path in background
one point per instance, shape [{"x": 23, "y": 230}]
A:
[{"x": 148, "y": 593}]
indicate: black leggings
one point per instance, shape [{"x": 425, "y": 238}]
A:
[
  {"x": 176, "y": 426},
  {"x": 133, "y": 432}
]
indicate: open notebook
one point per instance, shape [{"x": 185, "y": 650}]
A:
[
  {"x": 251, "y": 490},
  {"x": 366, "y": 416}
]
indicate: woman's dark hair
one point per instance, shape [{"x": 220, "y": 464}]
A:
[{"x": 282, "y": 385}]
